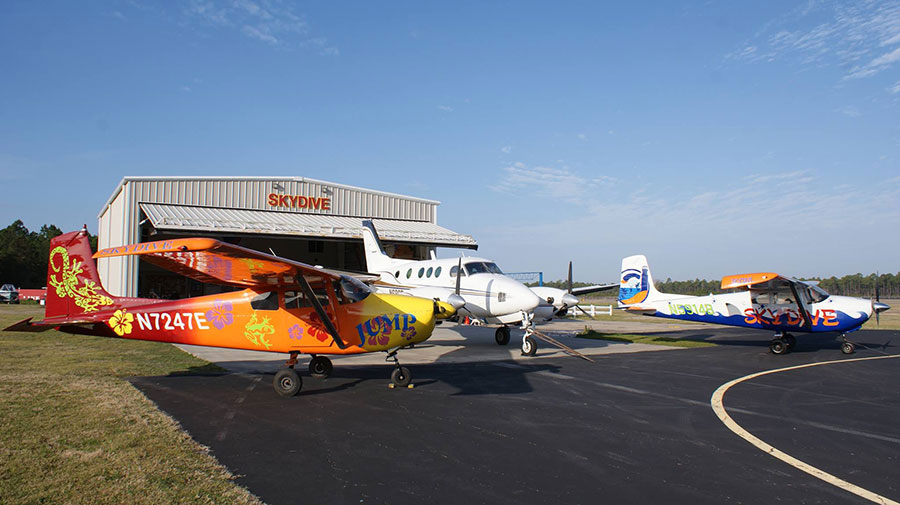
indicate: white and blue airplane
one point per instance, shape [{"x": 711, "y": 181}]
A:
[
  {"x": 764, "y": 300},
  {"x": 474, "y": 286}
]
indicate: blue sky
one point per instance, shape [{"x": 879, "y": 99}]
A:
[{"x": 715, "y": 137}]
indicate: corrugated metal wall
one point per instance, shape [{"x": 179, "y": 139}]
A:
[
  {"x": 119, "y": 221},
  {"x": 253, "y": 194}
]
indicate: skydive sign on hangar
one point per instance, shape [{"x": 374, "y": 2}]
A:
[{"x": 299, "y": 201}]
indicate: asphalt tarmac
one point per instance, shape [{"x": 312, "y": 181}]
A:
[{"x": 629, "y": 428}]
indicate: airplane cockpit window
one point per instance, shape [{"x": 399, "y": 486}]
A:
[
  {"x": 478, "y": 268},
  {"x": 351, "y": 290},
  {"x": 265, "y": 301},
  {"x": 493, "y": 268},
  {"x": 817, "y": 294}
]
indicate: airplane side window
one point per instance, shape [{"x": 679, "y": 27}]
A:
[
  {"x": 430, "y": 270},
  {"x": 454, "y": 271},
  {"x": 421, "y": 272},
  {"x": 409, "y": 273},
  {"x": 437, "y": 272},
  {"x": 295, "y": 300},
  {"x": 397, "y": 274},
  {"x": 265, "y": 301}
]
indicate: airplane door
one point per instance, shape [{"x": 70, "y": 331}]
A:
[{"x": 304, "y": 324}]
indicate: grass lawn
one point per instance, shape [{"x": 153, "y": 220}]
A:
[
  {"x": 643, "y": 339},
  {"x": 72, "y": 430}
]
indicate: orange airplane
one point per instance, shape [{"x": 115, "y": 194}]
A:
[{"x": 279, "y": 305}]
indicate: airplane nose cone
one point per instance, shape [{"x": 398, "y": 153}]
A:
[
  {"x": 569, "y": 300},
  {"x": 879, "y": 307},
  {"x": 518, "y": 295}
]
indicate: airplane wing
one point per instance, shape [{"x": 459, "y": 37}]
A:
[
  {"x": 211, "y": 261},
  {"x": 593, "y": 289},
  {"x": 749, "y": 280}
]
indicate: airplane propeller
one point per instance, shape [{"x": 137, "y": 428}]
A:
[
  {"x": 570, "y": 300},
  {"x": 877, "y": 306},
  {"x": 456, "y": 299}
]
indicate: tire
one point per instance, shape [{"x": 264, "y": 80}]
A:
[
  {"x": 529, "y": 347},
  {"x": 502, "y": 335},
  {"x": 778, "y": 346},
  {"x": 848, "y": 348},
  {"x": 401, "y": 377},
  {"x": 287, "y": 383},
  {"x": 791, "y": 341},
  {"x": 320, "y": 367}
]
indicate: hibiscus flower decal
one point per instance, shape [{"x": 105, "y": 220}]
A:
[
  {"x": 295, "y": 332},
  {"x": 220, "y": 314},
  {"x": 409, "y": 333},
  {"x": 121, "y": 321}
]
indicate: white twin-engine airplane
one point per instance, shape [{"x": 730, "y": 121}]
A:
[
  {"x": 482, "y": 291},
  {"x": 765, "y": 301}
]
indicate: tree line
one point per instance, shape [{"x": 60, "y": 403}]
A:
[{"x": 24, "y": 254}]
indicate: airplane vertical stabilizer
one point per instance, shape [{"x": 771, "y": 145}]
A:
[
  {"x": 636, "y": 283},
  {"x": 73, "y": 283},
  {"x": 376, "y": 259}
]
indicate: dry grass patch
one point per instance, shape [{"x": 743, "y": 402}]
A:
[{"x": 74, "y": 432}]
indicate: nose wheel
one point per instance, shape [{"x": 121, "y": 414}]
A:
[
  {"x": 400, "y": 376},
  {"x": 847, "y": 346}
]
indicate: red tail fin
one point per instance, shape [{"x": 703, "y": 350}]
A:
[{"x": 73, "y": 284}]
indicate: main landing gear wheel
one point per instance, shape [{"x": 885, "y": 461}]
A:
[
  {"x": 529, "y": 347},
  {"x": 778, "y": 346},
  {"x": 320, "y": 367},
  {"x": 848, "y": 348},
  {"x": 401, "y": 376},
  {"x": 790, "y": 340},
  {"x": 287, "y": 382},
  {"x": 502, "y": 335}
]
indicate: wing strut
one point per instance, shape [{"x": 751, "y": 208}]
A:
[
  {"x": 800, "y": 307},
  {"x": 308, "y": 291}
]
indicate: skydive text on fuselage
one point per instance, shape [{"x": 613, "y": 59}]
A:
[{"x": 299, "y": 201}]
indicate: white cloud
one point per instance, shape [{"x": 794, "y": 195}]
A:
[
  {"x": 852, "y": 35},
  {"x": 506, "y": 149},
  {"x": 849, "y": 111},
  {"x": 445, "y": 108},
  {"x": 270, "y": 21},
  {"x": 541, "y": 181},
  {"x": 895, "y": 88},
  {"x": 582, "y": 136}
]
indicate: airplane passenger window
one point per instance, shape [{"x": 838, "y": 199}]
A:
[
  {"x": 295, "y": 300},
  {"x": 265, "y": 301},
  {"x": 817, "y": 294},
  {"x": 437, "y": 272},
  {"x": 409, "y": 273},
  {"x": 421, "y": 272},
  {"x": 397, "y": 274},
  {"x": 428, "y": 274},
  {"x": 454, "y": 271}
]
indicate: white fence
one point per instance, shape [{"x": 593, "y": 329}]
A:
[{"x": 593, "y": 310}]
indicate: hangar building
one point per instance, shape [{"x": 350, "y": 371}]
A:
[{"x": 316, "y": 222}]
